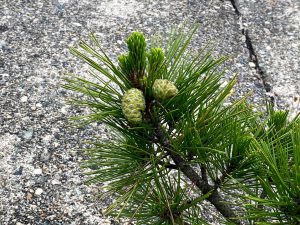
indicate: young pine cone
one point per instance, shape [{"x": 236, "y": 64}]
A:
[
  {"x": 133, "y": 103},
  {"x": 163, "y": 89}
]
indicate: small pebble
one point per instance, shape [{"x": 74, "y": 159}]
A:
[
  {"x": 28, "y": 134},
  {"x": 38, "y": 105},
  {"x": 45, "y": 156},
  {"x": 33, "y": 206},
  {"x": 24, "y": 98},
  {"x": 38, "y": 191},
  {"x": 64, "y": 110},
  {"x": 19, "y": 171},
  {"x": 55, "y": 182},
  {"x": 29, "y": 196},
  {"x": 252, "y": 64},
  {"x": 37, "y": 171},
  {"x": 77, "y": 24}
]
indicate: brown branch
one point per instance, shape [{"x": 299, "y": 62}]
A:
[
  {"x": 225, "y": 174},
  {"x": 168, "y": 165},
  {"x": 203, "y": 186},
  {"x": 263, "y": 195},
  {"x": 203, "y": 173}
]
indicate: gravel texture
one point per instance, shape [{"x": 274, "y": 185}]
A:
[
  {"x": 40, "y": 177},
  {"x": 274, "y": 28}
]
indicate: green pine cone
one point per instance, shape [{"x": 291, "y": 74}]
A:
[
  {"x": 164, "y": 89},
  {"x": 133, "y": 103}
]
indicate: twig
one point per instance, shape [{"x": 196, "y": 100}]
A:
[
  {"x": 204, "y": 187},
  {"x": 225, "y": 174},
  {"x": 204, "y": 173}
]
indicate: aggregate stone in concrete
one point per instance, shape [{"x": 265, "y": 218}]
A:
[
  {"x": 274, "y": 28},
  {"x": 40, "y": 177}
]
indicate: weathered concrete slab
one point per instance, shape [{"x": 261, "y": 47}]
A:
[
  {"x": 40, "y": 178},
  {"x": 274, "y": 28}
]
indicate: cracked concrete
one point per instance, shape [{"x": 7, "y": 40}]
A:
[
  {"x": 273, "y": 28},
  {"x": 253, "y": 59},
  {"x": 34, "y": 40}
]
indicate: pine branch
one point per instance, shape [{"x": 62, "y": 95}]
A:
[
  {"x": 225, "y": 174},
  {"x": 204, "y": 187},
  {"x": 204, "y": 173},
  {"x": 181, "y": 97}
]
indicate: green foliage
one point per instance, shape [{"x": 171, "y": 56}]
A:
[
  {"x": 133, "y": 64},
  {"x": 278, "y": 176},
  {"x": 155, "y": 61},
  {"x": 174, "y": 152}
]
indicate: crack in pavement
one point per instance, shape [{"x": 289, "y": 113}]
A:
[
  {"x": 234, "y": 4},
  {"x": 253, "y": 58},
  {"x": 261, "y": 74}
]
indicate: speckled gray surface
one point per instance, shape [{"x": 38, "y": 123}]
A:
[
  {"x": 274, "y": 28},
  {"x": 40, "y": 177}
]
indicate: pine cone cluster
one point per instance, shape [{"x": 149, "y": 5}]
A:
[{"x": 139, "y": 64}]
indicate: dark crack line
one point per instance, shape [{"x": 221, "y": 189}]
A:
[
  {"x": 234, "y": 4},
  {"x": 254, "y": 59},
  {"x": 252, "y": 54}
]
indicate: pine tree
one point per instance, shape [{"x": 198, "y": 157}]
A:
[{"x": 178, "y": 144}]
